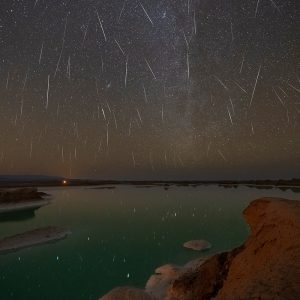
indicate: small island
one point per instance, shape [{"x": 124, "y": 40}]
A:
[{"x": 20, "y": 199}]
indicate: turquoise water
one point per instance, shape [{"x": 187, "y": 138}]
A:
[{"x": 119, "y": 237}]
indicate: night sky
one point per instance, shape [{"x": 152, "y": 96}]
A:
[{"x": 191, "y": 89}]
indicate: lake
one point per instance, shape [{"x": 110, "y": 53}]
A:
[{"x": 119, "y": 236}]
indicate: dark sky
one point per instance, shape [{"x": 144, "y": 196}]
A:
[{"x": 150, "y": 89}]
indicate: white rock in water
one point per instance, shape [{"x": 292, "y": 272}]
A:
[
  {"x": 198, "y": 245},
  {"x": 168, "y": 269},
  {"x": 127, "y": 293},
  {"x": 158, "y": 284}
]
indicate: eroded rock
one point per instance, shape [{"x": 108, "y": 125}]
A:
[{"x": 266, "y": 266}]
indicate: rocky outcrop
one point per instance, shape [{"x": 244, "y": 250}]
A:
[
  {"x": 32, "y": 238},
  {"x": 159, "y": 284},
  {"x": 266, "y": 266}
]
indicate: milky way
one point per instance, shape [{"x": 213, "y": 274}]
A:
[{"x": 150, "y": 89}]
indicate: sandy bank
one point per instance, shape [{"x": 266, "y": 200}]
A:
[
  {"x": 10, "y": 207},
  {"x": 32, "y": 238}
]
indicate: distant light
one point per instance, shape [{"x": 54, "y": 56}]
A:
[{"x": 65, "y": 182}]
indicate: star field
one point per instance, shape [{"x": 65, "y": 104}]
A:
[{"x": 150, "y": 89}]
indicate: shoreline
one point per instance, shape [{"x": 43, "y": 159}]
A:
[{"x": 293, "y": 184}]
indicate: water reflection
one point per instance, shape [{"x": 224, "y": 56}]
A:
[
  {"x": 120, "y": 235},
  {"x": 21, "y": 215}
]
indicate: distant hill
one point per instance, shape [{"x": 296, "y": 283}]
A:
[
  {"x": 28, "y": 178},
  {"x": 43, "y": 180}
]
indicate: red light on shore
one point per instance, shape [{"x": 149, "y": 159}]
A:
[{"x": 65, "y": 182}]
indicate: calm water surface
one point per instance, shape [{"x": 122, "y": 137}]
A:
[{"x": 119, "y": 237}]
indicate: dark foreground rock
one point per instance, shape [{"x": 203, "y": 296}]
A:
[
  {"x": 266, "y": 266},
  {"x": 32, "y": 238}
]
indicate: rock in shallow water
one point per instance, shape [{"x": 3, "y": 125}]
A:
[
  {"x": 197, "y": 245},
  {"x": 127, "y": 293},
  {"x": 32, "y": 238}
]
